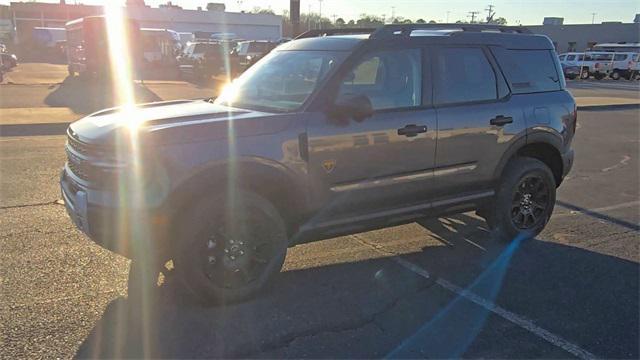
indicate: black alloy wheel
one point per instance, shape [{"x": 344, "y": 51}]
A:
[{"x": 530, "y": 202}]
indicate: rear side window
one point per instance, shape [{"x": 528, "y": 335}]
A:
[
  {"x": 528, "y": 71},
  {"x": 463, "y": 75},
  {"x": 571, "y": 57},
  {"x": 620, "y": 57},
  {"x": 562, "y": 57}
]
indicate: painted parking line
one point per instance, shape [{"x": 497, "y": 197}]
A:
[{"x": 486, "y": 304}]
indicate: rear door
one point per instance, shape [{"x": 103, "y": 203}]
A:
[{"x": 477, "y": 119}]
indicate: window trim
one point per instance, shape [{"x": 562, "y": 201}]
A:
[
  {"x": 357, "y": 58},
  {"x": 492, "y": 64}
]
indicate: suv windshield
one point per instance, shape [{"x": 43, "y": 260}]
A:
[{"x": 282, "y": 81}]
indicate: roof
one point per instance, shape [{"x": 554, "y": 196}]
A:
[{"x": 443, "y": 34}]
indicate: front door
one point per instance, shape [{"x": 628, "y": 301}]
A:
[{"x": 386, "y": 159}]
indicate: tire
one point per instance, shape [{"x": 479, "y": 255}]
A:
[
  {"x": 571, "y": 76},
  {"x": 599, "y": 76},
  {"x": 70, "y": 71},
  {"x": 524, "y": 200},
  {"x": 615, "y": 75},
  {"x": 584, "y": 73},
  {"x": 229, "y": 253}
]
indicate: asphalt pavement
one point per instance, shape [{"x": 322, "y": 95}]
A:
[{"x": 436, "y": 288}]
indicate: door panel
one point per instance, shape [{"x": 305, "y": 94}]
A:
[
  {"x": 387, "y": 159},
  {"x": 477, "y": 119},
  {"x": 368, "y": 163}
]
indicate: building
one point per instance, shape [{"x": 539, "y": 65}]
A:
[
  {"x": 28, "y": 15},
  {"x": 581, "y": 37},
  {"x": 6, "y": 24}
]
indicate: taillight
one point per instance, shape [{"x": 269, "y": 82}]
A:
[{"x": 597, "y": 65}]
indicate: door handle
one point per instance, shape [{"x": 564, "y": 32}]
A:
[
  {"x": 412, "y": 130},
  {"x": 501, "y": 120}
]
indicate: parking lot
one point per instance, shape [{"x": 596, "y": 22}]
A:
[{"x": 436, "y": 288}]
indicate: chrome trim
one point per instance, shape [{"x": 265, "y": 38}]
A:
[{"x": 400, "y": 179}]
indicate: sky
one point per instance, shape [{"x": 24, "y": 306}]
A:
[{"x": 525, "y": 12}]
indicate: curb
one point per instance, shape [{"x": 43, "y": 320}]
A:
[{"x": 609, "y": 107}]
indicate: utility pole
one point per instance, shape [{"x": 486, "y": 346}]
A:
[
  {"x": 490, "y": 13},
  {"x": 393, "y": 14},
  {"x": 448, "y": 12},
  {"x": 593, "y": 18},
  {"x": 320, "y": 13},
  {"x": 473, "y": 14},
  {"x": 334, "y": 16}
]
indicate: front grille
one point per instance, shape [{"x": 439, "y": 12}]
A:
[
  {"x": 79, "y": 167},
  {"x": 82, "y": 148}
]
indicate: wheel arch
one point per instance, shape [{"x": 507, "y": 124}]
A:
[
  {"x": 268, "y": 178},
  {"x": 538, "y": 145}
]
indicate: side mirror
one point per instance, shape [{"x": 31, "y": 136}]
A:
[{"x": 355, "y": 106}]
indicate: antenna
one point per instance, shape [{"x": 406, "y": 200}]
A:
[{"x": 593, "y": 18}]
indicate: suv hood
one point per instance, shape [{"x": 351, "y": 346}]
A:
[{"x": 180, "y": 120}]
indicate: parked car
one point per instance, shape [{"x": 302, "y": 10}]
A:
[
  {"x": 203, "y": 59},
  {"x": 633, "y": 69},
  {"x": 570, "y": 71},
  {"x": 620, "y": 64},
  {"x": 326, "y": 135},
  {"x": 247, "y": 53},
  {"x": 9, "y": 61},
  {"x": 596, "y": 64}
]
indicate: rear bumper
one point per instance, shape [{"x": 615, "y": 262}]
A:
[{"x": 567, "y": 162}]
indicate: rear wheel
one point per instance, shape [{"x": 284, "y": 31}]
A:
[
  {"x": 599, "y": 76},
  {"x": 524, "y": 202},
  {"x": 615, "y": 75},
  {"x": 231, "y": 250}
]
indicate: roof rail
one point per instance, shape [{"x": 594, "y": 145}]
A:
[
  {"x": 329, "y": 32},
  {"x": 405, "y": 30}
]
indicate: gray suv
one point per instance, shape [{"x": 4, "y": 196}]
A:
[{"x": 334, "y": 133}]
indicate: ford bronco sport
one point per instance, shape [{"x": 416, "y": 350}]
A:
[{"x": 337, "y": 132}]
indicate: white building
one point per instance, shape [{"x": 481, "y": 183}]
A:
[{"x": 245, "y": 26}]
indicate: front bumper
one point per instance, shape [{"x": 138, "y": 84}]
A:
[{"x": 121, "y": 230}]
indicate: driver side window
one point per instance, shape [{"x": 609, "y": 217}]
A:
[{"x": 390, "y": 79}]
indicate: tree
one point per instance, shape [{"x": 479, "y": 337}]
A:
[
  {"x": 340, "y": 22},
  {"x": 499, "y": 21},
  {"x": 351, "y": 23},
  {"x": 432, "y": 22},
  {"x": 369, "y": 21},
  {"x": 420, "y": 21},
  {"x": 259, "y": 10}
]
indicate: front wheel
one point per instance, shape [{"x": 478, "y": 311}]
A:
[
  {"x": 232, "y": 246},
  {"x": 615, "y": 75},
  {"x": 599, "y": 76},
  {"x": 524, "y": 201}
]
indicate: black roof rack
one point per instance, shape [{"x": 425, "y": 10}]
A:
[
  {"x": 394, "y": 30},
  {"x": 329, "y": 32},
  {"x": 405, "y": 30}
]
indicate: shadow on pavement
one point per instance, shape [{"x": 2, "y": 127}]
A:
[
  {"x": 376, "y": 308},
  {"x": 33, "y": 129},
  {"x": 85, "y": 95}
]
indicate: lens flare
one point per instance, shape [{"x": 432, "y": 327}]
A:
[{"x": 131, "y": 227}]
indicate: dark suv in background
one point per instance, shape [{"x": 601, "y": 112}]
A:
[{"x": 334, "y": 133}]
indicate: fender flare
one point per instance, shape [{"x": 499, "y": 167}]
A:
[{"x": 539, "y": 135}]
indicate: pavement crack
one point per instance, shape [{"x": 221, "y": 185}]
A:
[{"x": 55, "y": 202}]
